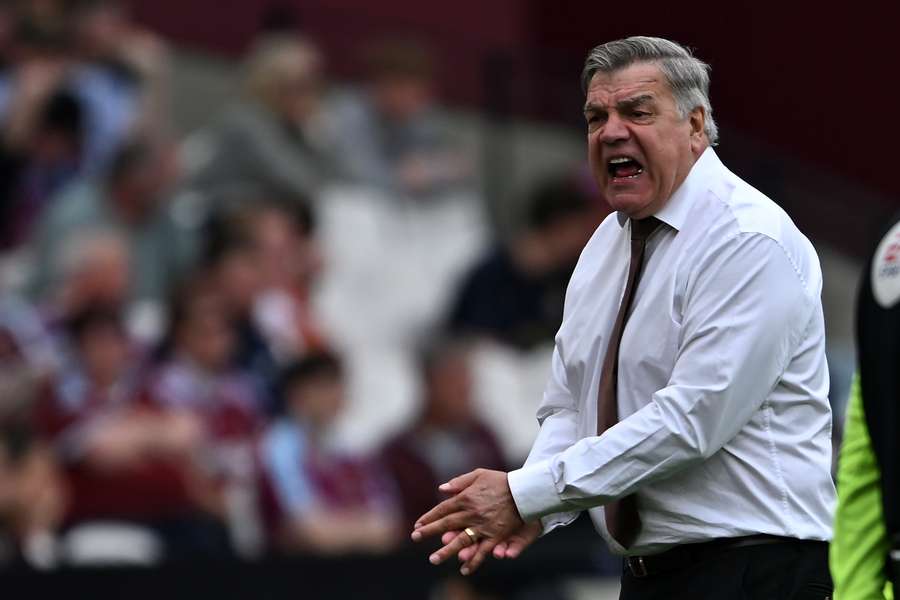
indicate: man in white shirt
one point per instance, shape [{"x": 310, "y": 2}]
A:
[{"x": 687, "y": 408}]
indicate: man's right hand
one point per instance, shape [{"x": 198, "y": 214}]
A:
[{"x": 511, "y": 547}]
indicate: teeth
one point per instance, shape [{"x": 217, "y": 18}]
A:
[{"x": 619, "y": 160}]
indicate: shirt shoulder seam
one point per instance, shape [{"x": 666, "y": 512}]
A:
[{"x": 740, "y": 232}]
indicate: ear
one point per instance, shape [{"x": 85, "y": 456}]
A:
[{"x": 697, "y": 121}]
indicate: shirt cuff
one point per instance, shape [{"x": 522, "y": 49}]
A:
[
  {"x": 557, "y": 520},
  {"x": 534, "y": 491}
]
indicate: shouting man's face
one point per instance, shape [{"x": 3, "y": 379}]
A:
[{"x": 640, "y": 147}]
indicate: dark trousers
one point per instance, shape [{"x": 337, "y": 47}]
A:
[{"x": 792, "y": 570}]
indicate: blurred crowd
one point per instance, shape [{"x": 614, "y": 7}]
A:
[{"x": 276, "y": 334}]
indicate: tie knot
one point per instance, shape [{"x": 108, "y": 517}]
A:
[{"x": 642, "y": 228}]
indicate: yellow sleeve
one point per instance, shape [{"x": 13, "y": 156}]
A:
[{"x": 860, "y": 545}]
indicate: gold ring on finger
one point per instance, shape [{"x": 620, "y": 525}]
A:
[{"x": 472, "y": 535}]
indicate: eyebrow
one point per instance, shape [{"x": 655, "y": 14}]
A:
[
  {"x": 635, "y": 100},
  {"x": 626, "y": 103}
]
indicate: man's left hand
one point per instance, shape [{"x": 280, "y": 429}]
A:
[{"x": 482, "y": 502}]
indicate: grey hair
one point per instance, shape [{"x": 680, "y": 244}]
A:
[
  {"x": 687, "y": 76},
  {"x": 85, "y": 249}
]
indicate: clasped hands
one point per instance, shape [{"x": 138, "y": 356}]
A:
[{"x": 481, "y": 501}]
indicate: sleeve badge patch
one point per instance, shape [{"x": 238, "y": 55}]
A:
[{"x": 886, "y": 269}]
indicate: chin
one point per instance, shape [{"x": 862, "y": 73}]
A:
[{"x": 629, "y": 205}]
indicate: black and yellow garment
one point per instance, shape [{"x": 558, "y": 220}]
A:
[{"x": 867, "y": 526}]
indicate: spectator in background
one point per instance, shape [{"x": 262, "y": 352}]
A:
[
  {"x": 36, "y": 162},
  {"x": 41, "y": 121},
  {"x": 93, "y": 270},
  {"x": 515, "y": 294},
  {"x": 56, "y": 50},
  {"x": 394, "y": 135},
  {"x": 316, "y": 498},
  {"x": 39, "y": 64},
  {"x": 123, "y": 459},
  {"x": 289, "y": 259},
  {"x": 232, "y": 263},
  {"x": 31, "y": 499},
  {"x": 197, "y": 377},
  {"x": 130, "y": 201},
  {"x": 130, "y": 58},
  {"x": 447, "y": 440},
  {"x": 276, "y": 136},
  {"x": 28, "y": 358}
]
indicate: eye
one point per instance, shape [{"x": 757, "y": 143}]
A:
[{"x": 595, "y": 121}]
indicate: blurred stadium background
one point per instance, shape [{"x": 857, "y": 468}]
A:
[{"x": 272, "y": 270}]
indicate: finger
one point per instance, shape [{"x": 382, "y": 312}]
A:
[
  {"x": 448, "y": 523},
  {"x": 448, "y": 536},
  {"x": 448, "y": 506},
  {"x": 458, "y": 484},
  {"x": 484, "y": 549},
  {"x": 460, "y": 542},
  {"x": 500, "y": 550},
  {"x": 466, "y": 554},
  {"x": 515, "y": 547}
]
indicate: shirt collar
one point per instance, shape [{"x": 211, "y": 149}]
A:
[{"x": 675, "y": 211}]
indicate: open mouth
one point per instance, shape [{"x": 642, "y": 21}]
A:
[{"x": 624, "y": 167}]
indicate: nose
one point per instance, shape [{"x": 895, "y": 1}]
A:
[{"x": 615, "y": 130}]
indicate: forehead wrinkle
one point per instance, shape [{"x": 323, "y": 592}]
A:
[
  {"x": 629, "y": 101},
  {"x": 619, "y": 89}
]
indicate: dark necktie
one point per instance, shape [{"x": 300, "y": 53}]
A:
[{"x": 622, "y": 518}]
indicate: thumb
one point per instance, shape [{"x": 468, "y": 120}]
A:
[{"x": 458, "y": 484}]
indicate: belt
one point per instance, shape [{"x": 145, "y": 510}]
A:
[{"x": 689, "y": 554}]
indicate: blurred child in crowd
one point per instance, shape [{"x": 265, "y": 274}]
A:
[{"x": 318, "y": 499}]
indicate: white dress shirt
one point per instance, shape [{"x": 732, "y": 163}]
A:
[{"x": 725, "y": 425}]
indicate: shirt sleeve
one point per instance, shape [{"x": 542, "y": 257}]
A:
[
  {"x": 746, "y": 309},
  {"x": 557, "y": 416},
  {"x": 860, "y": 545},
  {"x": 283, "y": 460}
]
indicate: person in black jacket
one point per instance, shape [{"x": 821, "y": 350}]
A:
[{"x": 867, "y": 526}]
